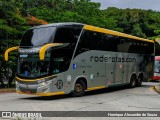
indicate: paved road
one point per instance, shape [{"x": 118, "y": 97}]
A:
[{"x": 111, "y": 99}]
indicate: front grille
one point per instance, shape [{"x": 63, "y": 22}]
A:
[{"x": 27, "y": 90}]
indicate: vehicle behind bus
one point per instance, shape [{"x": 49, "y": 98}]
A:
[{"x": 156, "y": 76}]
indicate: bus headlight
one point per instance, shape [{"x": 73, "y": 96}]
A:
[
  {"x": 16, "y": 83},
  {"x": 43, "y": 84}
]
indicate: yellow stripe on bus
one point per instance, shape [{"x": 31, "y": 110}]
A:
[
  {"x": 111, "y": 32},
  {"x": 33, "y": 79},
  {"x": 9, "y": 50},
  {"x": 95, "y": 88},
  {"x": 42, "y": 94},
  {"x": 44, "y": 48}
]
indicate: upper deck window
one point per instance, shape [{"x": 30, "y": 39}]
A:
[
  {"x": 38, "y": 36},
  {"x": 67, "y": 34}
]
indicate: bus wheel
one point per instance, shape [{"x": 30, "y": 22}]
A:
[
  {"x": 133, "y": 80},
  {"x": 79, "y": 89},
  {"x": 139, "y": 81}
]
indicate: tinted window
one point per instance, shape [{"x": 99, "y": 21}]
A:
[
  {"x": 38, "y": 37},
  {"x": 67, "y": 34},
  {"x": 141, "y": 47},
  {"x": 110, "y": 43},
  {"x": 150, "y": 48},
  {"x": 91, "y": 40},
  {"x": 61, "y": 58},
  {"x": 98, "y": 41},
  {"x": 123, "y": 45}
]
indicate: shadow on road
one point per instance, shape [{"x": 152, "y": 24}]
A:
[{"x": 88, "y": 93}]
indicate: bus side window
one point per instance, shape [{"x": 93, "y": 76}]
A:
[
  {"x": 140, "y": 47},
  {"x": 90, "y": 41},
  {"x": 110, "y": 42},
  {"x": 124, "y": 44},
  {"x": 64, "y": 35},
  {"x": 84, "y": 41},
  {"x": 150, "y": 49},
  {"x": 67, "y": 34}
]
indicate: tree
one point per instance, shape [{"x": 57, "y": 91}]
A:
[{"x": 137, "y": 31}]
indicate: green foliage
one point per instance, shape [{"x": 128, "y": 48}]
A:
[
  {"x": 14, "y": 14},
  {"x": 137, "y": 30}
]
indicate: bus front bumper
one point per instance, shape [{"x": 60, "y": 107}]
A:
[
  {"x": 40, "y": 89},
  {"x": 42, "y": 94}
]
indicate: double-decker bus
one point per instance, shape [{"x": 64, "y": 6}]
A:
[{"x": 63, "y": 58}]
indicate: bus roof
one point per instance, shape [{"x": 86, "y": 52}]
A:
[
  {"x": 58, "y": 24},
  {"x": 157, "y": 58},
  {"x": 111, "y": 32},
  {"x": 93, "y": 28}
]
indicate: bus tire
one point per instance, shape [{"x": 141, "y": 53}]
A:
[
  {"x": 139, "y": 81},
  {"x": 79, "y": 89},
  {"x": 133, "y": 80}
]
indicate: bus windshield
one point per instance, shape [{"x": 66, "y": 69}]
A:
[
  {"x": 30, "y": 66},
  {"x": 157, "y": 67},
  {"x": 57, "y": 61},
  {"x": 38, "y": 37}
]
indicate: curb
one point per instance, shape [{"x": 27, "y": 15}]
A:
[
  {"x": 157, "y": 88},
  {"x": 9, "y": 90}
]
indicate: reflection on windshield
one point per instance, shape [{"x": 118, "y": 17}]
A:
[
  {"x": 157, "y": 66},
  {"x": 37, "y": 37},
  {"x": 30, "y": 66},
  {"x": 34, "y": 69},
  {"x": 57, "y": 65}
]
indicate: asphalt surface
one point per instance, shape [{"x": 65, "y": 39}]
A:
[{"x": 142, "y": 98}]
